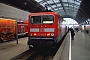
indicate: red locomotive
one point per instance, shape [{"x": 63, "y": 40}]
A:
[
  {"x": 22, "y": 28},
  {"x": 45, "y": 29}
]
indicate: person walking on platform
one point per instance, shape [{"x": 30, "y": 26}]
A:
[{"x": 72, "y": 34}]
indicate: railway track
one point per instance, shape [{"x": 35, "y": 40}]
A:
[
  {"x": 24, "y": 55},
  {"x": 37, "y": 54},
  {"x": 44, "y": 54}
]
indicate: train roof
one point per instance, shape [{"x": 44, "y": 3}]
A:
[{"x": 44, "y": 13}]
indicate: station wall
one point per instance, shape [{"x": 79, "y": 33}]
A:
[{"x": 12, "y": 12}]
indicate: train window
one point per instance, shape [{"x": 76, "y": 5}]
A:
[
  {"x": 36, "y": 19},
  {"x": 19, "y": 22},
  {"x": 47, "y": 19},
  {"x": 22, "y": 29}
]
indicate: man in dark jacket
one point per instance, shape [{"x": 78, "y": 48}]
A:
[{"x": 72, "y": 34}]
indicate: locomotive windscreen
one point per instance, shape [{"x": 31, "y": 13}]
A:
[
  {"x": 36, "y": 19},
  {"x": 45, "y": 19}
]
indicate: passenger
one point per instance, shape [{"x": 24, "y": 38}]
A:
[
  {"x": 81, "y": 29},
  {"x": 72, "y": 34},
  {"x": 76, "y": 29}
]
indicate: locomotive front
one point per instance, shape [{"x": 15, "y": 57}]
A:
[{"x": 42, "y": 28}]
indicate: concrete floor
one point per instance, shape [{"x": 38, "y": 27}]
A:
[
  {"x": 81, "y": 46},
  {"x": 11, "y": 49}
]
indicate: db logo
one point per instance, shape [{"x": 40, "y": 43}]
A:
[{"x": 41, "y": 30}]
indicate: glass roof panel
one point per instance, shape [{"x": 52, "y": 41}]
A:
[
  {"x": 76, "y": 6},
  {"x": 65, "y": 4},
  {"x": 50, "y": 2},
  {"x": 64, "y": 0},
  {"x": 58, "y": 4},
  {"x": 43, "y": 4},
  {"x": 71, "y": 5},
  {"x": 38, "y": 0},
  {"x": 56, "y": 1},
  {"x": 49, "y": 8},
  {"x": 60, "y": 12},
  {"x": 66, "y": 7},
  {"x": 60, "y": 8},
  {"x": 77, "y": 3},
  {"x": 56, "y": 9},
  {"x": 71, "y": 1},
  {"x": 53, "y": 6}
]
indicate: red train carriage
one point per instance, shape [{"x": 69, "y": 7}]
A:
[
  {"x": 45, "y": 29},
  {"x": 22, "y": 28},
  {"x": 7, "y": 29}
]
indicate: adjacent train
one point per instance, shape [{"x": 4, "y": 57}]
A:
[
  {"x": 45, "y": 29},
  {"x": 22, "y": 28},
  {"x": 8, "y": 29}
]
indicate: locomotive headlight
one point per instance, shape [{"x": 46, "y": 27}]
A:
[
  {"x": 52, "y": 34},
  {"x": 48, "y": 34},
  {"x": 35, "y": 34}
]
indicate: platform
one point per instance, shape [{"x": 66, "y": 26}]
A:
[
  {"x": 11, "y": 49},
  {"x": 80, "y": 48}
]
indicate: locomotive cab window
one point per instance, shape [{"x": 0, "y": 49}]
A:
[
  {"x": 36, "y": 19},
  {"x": 47, "y": 19}
]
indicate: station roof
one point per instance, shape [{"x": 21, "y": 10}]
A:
[{"x": 76, "y": 9}]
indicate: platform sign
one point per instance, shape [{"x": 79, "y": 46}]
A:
[
  {"x": 7, "y": 29},
  {"x": 64, "y": 20}
]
